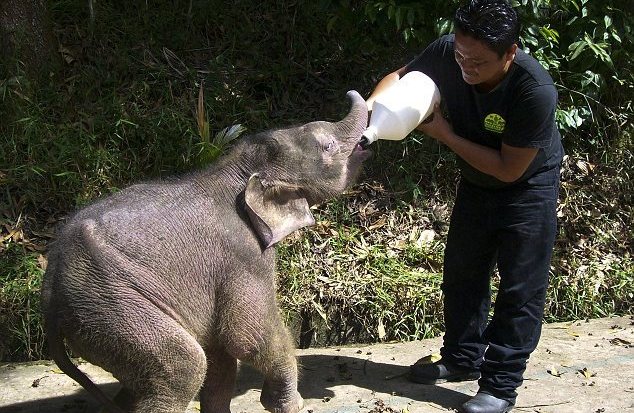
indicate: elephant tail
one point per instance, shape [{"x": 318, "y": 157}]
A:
[{"x": 58, "y": 353}]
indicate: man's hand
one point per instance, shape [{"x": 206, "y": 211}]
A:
[
  {"x": 506, "y": 164},
  {"x": 438, "y": 127}
]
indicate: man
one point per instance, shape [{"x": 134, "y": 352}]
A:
[{"x": 501, "y": 107}]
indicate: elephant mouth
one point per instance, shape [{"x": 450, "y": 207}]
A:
[{"x": 360, "y": 150}]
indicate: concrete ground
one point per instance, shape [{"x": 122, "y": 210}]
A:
[{"x": 585, "y": 366}]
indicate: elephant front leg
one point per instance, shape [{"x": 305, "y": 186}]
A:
[
  {"x": 278, "y": 364},
  {"x": 279, "y": 392},
  {"x": 253, "y": 331},
  {"x": 216, "y": 393}
]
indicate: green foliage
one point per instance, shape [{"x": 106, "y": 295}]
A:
[
  {"x": 596, "y": 285},
  {"x": 364, "y": 273},
  {"x": 415, "y": 21},
  {"x": 20, "y": 318},
  {"x": 585, "y": 44},
  {"x": 210, "y": 148}
]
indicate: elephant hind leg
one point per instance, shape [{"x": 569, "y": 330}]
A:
[
  {"x": 215, "y": 396},
  {"x": 124, "y": 399},
  {"x": 159, "y": 364},
  {"x": 174, "y": 372}
]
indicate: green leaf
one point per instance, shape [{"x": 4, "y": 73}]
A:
[
  {"x": 532, "y": 40},
  {"x": 599, "y": 49},
  {"x": 576, "y": 48},
  {"x": 549, "y": 34},
  {"x": 67, "y": 173},
  {"x": 331, "y": 23},
  {"x": 589, "y": 78},
  {"x": 443, "y": 26},
  {"x": 615, "y": 36},
  {"x": 399, "y": 18},
  {"x": 228, "y": 134}
]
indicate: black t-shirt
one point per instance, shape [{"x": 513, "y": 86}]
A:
[{"x": 520, "y": 111}]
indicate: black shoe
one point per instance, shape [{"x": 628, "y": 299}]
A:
[
  {"x": 440, "y": 372},
  {"x": 486, "y": 403}
]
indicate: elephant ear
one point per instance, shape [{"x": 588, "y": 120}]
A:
[{"x": 275, "y": 211}]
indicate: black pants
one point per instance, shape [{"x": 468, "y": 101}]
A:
[{"x": 514, "y": 228}]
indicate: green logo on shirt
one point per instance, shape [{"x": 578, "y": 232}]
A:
[{"x": 494, "y": 123}]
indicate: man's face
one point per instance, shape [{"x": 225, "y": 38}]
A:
[{"x": 479, "y": 64}]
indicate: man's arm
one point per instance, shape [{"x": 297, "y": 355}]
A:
[{"x": 507, "y": 164}]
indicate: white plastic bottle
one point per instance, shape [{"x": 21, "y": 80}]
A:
[{"x": 397, "y": 110}]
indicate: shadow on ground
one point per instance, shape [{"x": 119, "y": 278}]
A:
[
  {"x": 580, "y": 366},
  {"x": 79, "y": 402},
  {"x": 319, "y": 374}
]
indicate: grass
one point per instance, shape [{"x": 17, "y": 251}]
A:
[
  {"x": 356, "y": 270},
  {"x": 153, "y": 90},
  {"x": 20, "y": 319}
]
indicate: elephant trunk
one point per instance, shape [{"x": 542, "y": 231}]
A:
[{"x": 353, "y": 125}]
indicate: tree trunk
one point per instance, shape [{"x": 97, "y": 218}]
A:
[{"x": 26, "y": 36}]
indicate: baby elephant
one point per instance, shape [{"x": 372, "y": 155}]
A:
[{"x": 166, "y": 284}]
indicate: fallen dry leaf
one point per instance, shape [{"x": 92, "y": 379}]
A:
[
  {"x": 620, "y": 342},
  {"x": 554, "y": 372},
  {"x": 432, "y": 358},
  {"x": 381, "y": 329},
  {"x": 587, "y": 373},
  {"x": 585, "y": 167},
  {"x": 377, "y": 224},
  {"x": 399, "y": 244},
  {"x": 42, "y": 261},
  {"x": 36, "y": 382}
]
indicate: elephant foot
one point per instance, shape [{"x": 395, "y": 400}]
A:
[{"x": 292, "y": 404}]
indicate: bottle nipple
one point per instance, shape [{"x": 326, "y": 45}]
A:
[{"x": 371, "y": 134}]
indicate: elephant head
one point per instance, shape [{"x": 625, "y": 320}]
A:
[{"x": 309, "y": 164}]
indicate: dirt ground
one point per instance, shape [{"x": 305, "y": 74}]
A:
[{"x": 584, "y": 366}]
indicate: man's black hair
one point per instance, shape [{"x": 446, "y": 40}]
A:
[{"x": 493, "y": 22}]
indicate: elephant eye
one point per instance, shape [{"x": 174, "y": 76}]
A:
[{"x": 330, "y": 146}]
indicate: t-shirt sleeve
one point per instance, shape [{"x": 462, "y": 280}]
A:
[
  {"x": 531, "y": 122},
  {"x": 430, "y": 60}
]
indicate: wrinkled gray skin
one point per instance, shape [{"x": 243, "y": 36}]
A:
[{"x": 166, "y": 284}]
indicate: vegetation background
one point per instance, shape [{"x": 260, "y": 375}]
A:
[{"x": 120, "y": 91}]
